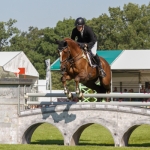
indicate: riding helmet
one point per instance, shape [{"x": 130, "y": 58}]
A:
[{"x": 79, "y": 22}]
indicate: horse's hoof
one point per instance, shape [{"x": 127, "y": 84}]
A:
[
  {"x": 70, "y": 96},
  {"x": 80, "y": 96},
  {"x": 66, "y": 92}
]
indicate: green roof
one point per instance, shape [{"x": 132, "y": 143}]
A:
[{"x": 109, "y": 55}]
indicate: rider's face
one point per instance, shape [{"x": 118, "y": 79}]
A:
[{"x": 80, "y": 28}]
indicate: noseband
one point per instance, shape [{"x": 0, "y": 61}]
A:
[
  {"x": 64, "y": 66},
  {"x": 63, "y": 50},
  {"x": 69, "y": 59}
]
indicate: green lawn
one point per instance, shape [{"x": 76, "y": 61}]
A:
[
  {"x": 47, "y": 137},
  {"x": 95, "y": 135}
]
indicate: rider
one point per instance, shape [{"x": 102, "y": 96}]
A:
[{"x": 87, "y": 39}]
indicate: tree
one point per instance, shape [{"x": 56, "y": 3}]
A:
[
  {"x": 123, "y": 29},
  {"x": 37, "y": 45},
  {"x": 127, "y": 28},
  {"x": 64, "y": 28},
  {"x": 7, "y": 31}
]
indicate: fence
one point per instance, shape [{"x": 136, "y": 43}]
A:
[{"x": 111, "y": 95}]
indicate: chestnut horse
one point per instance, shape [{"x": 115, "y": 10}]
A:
[{"x": 75, "y": 65}]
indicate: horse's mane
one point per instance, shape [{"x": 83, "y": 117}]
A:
[{"x": 70, "y": 41}]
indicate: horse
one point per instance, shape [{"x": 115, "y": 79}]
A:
[{"x": 74, "y": 64}]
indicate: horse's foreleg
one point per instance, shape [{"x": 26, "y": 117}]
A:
[
  {"x": 66, "y": 91},
  {"x": 63, "y": 80},
  {"x": 78, "y": 92}
]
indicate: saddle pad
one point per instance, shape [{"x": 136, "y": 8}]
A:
[{"x": 90, "y": 61}]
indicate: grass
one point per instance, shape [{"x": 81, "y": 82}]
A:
[{"x": 47, "y": 137}]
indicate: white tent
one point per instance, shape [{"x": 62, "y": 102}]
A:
[
  {"x": 12, "y": 61},
  {"x": 132, "y": 60},
  {"x": 131, "y": 69}
]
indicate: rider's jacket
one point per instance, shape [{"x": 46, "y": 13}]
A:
[{"x": 87, "y": 36}]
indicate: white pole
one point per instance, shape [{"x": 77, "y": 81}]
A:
[
  {"x": 114, "y": 95},
  {"x": 111, "y": 86},
  {"x": 89, "y": 103},
  {"x": 48, "y": 77},
  {"x": 50, "y": 80}
]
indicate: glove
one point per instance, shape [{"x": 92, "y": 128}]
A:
[{"x": 83, "y": 46}]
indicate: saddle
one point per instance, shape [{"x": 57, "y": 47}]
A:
[
  {"x": 90, "y": 58},
  {"x": 89, "y": 55}
]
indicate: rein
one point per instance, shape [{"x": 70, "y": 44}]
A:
[
  {"x": 60, "y": 50},
  {"x": 73, "y": 60},
  {"x": 69, "y": 60}
]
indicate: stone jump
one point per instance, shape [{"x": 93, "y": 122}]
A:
[{"x": 71, "y": 119}]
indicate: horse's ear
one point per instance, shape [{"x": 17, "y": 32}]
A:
[
  {"x": 56, "y": 41},
  {"x": 65, "y": 43}
]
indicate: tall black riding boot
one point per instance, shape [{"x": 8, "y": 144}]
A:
[{"x": 100, "y": 69}]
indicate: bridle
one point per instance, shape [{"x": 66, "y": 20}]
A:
[
  {"x": 69, "y": 60},
  {"x": 63, "y": 51}
]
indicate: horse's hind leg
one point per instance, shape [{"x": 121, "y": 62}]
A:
[
  {"x": 98, "y": 88},
  {"x": 94, "y": 86},
  {"x": 107, "y": 87}
]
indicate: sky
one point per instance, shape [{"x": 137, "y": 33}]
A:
[{"x": 46, "y": 13}]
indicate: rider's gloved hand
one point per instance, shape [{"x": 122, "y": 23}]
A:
[
  {"x": 82, "y": 45},
  {"x": 85, "y": 47}
]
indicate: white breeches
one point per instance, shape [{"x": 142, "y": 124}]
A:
[{"x": 94, "y": 49}]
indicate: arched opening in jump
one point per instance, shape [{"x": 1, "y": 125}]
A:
[
  {"x": 92, "y": 134},
  {"x": 137, "y": 136},
  {"x": 44, "y": 134}
]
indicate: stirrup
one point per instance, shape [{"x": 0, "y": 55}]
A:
[{"x": 102, "y": 73}]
